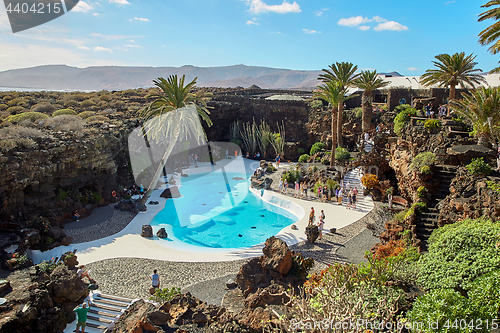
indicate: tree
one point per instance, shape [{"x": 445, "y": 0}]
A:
[
  {"x": 345, "y": 74},
  {"x": 451, "y": 71},
  {"x": 492, "y": 33},
  {"x": 333, "y": 93},
  {"x": 482, "y": 108},
  {"x": 368, "y": 81},
  {"x": 161, "y": 122}
]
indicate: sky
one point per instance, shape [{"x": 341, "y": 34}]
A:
[{"x": 386, "y": 35}]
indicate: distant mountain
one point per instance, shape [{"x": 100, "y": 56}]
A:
[{"x": 62, "y": 77}]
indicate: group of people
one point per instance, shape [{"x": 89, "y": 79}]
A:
[
  {"x": 193, "y": 159},
  {"x": 256, "y": 156},
  {"x": 133, "y": 190},
  {"x": 299, "y": 189},
  {"x": 429, "y": 110},
  {"x": 321, "y": 222},
  {"x": 350, "y": 192}
]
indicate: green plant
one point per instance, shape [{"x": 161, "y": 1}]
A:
[
  {"x": 312, "y": 169},
  {"x": 48, "y": 266},
  {"x": 270, "y": 168},
  {"x": 419, "y": 207},
  {"x": 165, "y": 295},
  {"x": 400, "y": 216},
  {"x": 87, "y": 103},
  {"x": 447, "y": 309},
  {"x": 423, "y": 159},
  {"x": 49, "y": 240},
  {"x": 425, "y": 170},
  {"x": 96, "y": 197},
  {"x": 493, "y": 186},
  {"x": 342, "y": 154},
  {"x": 301, "y": 266},
  {"x": 86, "y": 114},
  {"x": 97, "y": 119},
  {"x": 459, "y": 253},
  {"x": 409, "y": 213},
  {"x": 304, "y": 158},
  {"x": 332, "y": 184},
  {"x": 43, "y": 108},
  {"x": 369, "y": 181},
  {"x": 33, "y": 116},
  {"x": 61, "y": 112},
  {"x": 316, "y": 186},
  {"x": 484, "y": 295},
  {"x": 432, "y": 124},
  {"x": 301, "y": 151},
  {"x": 293, "y": 175},
  {"x": 390, "y": 190},
  {"x": 15, "y": 101},
  {"x": 325, "y": 160},
  {"x": 478, "y": 167},
  {"x": 61, "y": 195},
  {"x": 318, "y": 146},
  {"x": 358, "y": 113},
  {"x": 315, "y": 104},
  {"x": 421, "y": 191},
  {"x": 3, "y": 106},
  {"x": 403, "y": 118}
]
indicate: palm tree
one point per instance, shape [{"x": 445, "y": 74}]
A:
[
  {"x": 368, "y": 81},
  {"x": 333, "y": 93},
  {"x": 482, "y": 108},
  {"x": 345, "y": 74},
  {"x": 161, "y": 122},
  {"x": 453, "y": 70},
  {"x": 492, "y": 33}
]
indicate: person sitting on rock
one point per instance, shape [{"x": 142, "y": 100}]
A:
[
  {"x": 81, "y": 274},
  {"x": 75, "y": 214}
]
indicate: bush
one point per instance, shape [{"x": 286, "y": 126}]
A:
[
  {"x": 369, "y": 181},
  {"x": 432, "y": 124},
  {"x": 105, "y": 98},
  {"x": 292, "y": 175},
  {"x": 419, "y": 207},
  {"x": 459, "y": 253},
  {"x": 165, "y": 295},
  {"x": 15, "y": 101},
  {"x": 15, "y": 109},
  {"x": 402, "y": 118},
  {"x": 493, "y": 186},
  {"x": 3, "y": 106},
  {"x": 71, "y": 102},
  {"x": 312, "y": 169},
  {"x": 392, "y": 249},
  {"x": 421, "y": 191},
  {"x": 423, "y": 159},
  {"x": 485, "y": 295},
  {"x": 43, "y": 108},
  {"x": 80, "y": 97},
  {"x": 315, "y": 104},
  {"x": 87, "y": 103},
  {"x": 61, "y": 195},
  {"x": 97, "y": 119},
  {"x": 358, "y": 113},
  {"x": 270, "y": 168},
  {"x": 478, "y": 167},
  {"x": 400, "y": 216},
  {"x": 325, "y": 160},
  {"x": 342, "y": 154},
  {"x": 425, "y": 170},
  {"x": 300, "y": 150},
  {"x": 445, "y": 307},
  {"x": 304, "y": 158},
  {"x": 64, "y": 123},
  {"x": 33, "y": 116},
  {"x": 332, "y": 185},
  {"x": 86, "y": 114},
  {"x": 318, "y": 146},
  {"x": 64, "y": 112}
]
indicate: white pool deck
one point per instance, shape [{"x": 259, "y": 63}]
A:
[{"x": 129, "y": 243}]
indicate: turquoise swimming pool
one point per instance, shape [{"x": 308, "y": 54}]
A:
[{"x": 216, "y": 210}]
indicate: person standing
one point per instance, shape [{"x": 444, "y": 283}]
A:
[
  {"x": 81, "y": 316},
  {"x": 227, "y": 154},
  {"x": 297, "y": 189},
  {"x": 389, "y": 198},
  {"x": 354, "y": 197},
  {"x": 311, "y": 217},
  {"x": 285, "y": 186},
  {"x": 321, "y": 223},
  {"x": 280, "y": 187},
  {"x": 339, "y": 200},
  {"x": 305, "y": 189},
  {"x": 195, "y": 159},
  {"x": 320, "y": 192},
  {"x": 155, "y": 281},
  {"x": 278, "y": 158}
]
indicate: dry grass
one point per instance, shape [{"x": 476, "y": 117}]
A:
[
  {"x": 64, "y": 123},
  {"x": 43, "y": 108},
  {"x": 18, "y": 137}
]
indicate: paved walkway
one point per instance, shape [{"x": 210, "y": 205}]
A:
[{"x": 129, "y": 243}]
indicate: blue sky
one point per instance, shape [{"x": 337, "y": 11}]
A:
[{"x": 385, "y": 35}]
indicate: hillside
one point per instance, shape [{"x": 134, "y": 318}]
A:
[{"x": 62, "y": 77}]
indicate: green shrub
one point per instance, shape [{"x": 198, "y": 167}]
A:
[
  {"x": 270, "y": 168},
  {"x": 419, "y": 207},
  {"x": 71, "y": 102},
  {"x": 423, "y": 159},
  {"x": 332, "y": 184},
  {"x": 105, "y": 98},
  {"x": 304, "y": 158},
  {"x": 87, "y": 103},
  {"x": 312, "y": 169},
  {"x": 315, "y": 104},
  {"x": 358, "y": 113},
  {"x": 478, "y": 167},
  {"x": 432, "y": 124},
  {"x": 96, "y": 197},
  {"x": 15, "y": 109},
  {"x": 409, "y": 213},
  {"x": 402, "y": 107},
  {"x": 316, "y": 186},
  {"x": 80, "y": 97},
  {"x": 97, "y": 119},
  {"x": 61, "y": 194},
  {"x": 86, "y": 114},
  {"x": 493, "y": 186},
  {"x": 400, "y": 216},
  {"x": 485, "y": 295},
  {"x": 342, "y": 154},
  {"x": 425, "y": 170},
  {"x": 15, "y": 101},
  {"x": 318, "y": 146},
  {"x": 421, "y": 191},
  {"x": 49, "y": 240},
  {"x": 300, "y": 150},
  {"x": 459, "y": 253},
  {"x": 3, "y": 106},
  {"x": 325, "y": 161},
  {"x": 446, "y": 307},
  {"x": 33, "y": 116},
  {"x": 61, "y": 112},
  {"x": 43, "y": 108},
  {"x": 165, "y": 295},
  {"x": 402, "y": 118},
  {"x": 292, "y": 175}
]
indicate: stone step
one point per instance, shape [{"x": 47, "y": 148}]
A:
[
  {"x": 112, "y": 302},
  {"x": 116, "y": 298},
  {"x": 107, "y": 307},
  {"x": 103, "y": 313},
  {"x": 95, "y": 326},
  {"x": 100, "y": 319}
]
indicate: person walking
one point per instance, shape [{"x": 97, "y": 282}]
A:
[
  {"x": 354, "y": 197},
  {"x": 280, "y": 186},
  {"x": 297, "y": 189},
  {"x": 320, "y": 191},
  {"x": 81, "y": 316},
  {"x": 155, "y": 281},
  {"x": 285, "y": 186},
  {"x": 305, "y": 189},
  {"x": 311, "y": 217},
  {"x": 339, "y": 200}
]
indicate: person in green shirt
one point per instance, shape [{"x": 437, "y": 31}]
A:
[{"x": 81, "y": 316}]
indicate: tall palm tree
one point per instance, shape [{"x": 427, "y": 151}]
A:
[
  {"x": 345, "y": 74},
  {"x": 368, "y": 81},
  {"x": 482, "y": 108},
  {"x": 492, "y": 33},
  {"x": 162, "y": 122},
  {"x": 333, "y": 93},
  {"x": 451, "y": 71}
]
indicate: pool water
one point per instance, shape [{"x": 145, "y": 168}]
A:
[{"x": 211, "y": 214}]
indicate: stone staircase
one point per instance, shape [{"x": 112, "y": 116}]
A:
[
  {"x": 428, "y": 220},
  {"x": 104, "y": 311}
]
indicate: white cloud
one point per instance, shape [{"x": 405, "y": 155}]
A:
[
  {"x": 412, "y": 69},
  {"x": 320, "y": 12},
  {"x": 83, "y": 48},
  {"x": 390, "y": 25},
  {"x": 96, "y": 14},
  {"x": 100, "y": 48},
  {"x": 130, "y": 45},
  {"x": 131, "y": 40},
  {"x": 364, "y": 27},
  {"x": 249, "y": 22},
  {"x": 4, "y": 20},
  {"x": 259, "y": 6},
  {"x": 449, "y": 2},
  {"x": 353, "y": 21},
  {"x": 308, "y": 31},
  {"x": 113, "y": 37},
  {"x": 120, "y": 2},
  {"x": 82, "y": 7},
  {"x": 379, "y": 19},
  {"x": 143, "y": 19}
]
